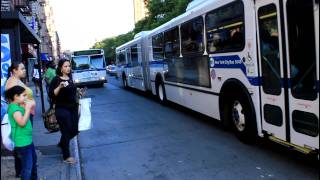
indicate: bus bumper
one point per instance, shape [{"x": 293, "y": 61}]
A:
[{"x": 90, "y": 83}]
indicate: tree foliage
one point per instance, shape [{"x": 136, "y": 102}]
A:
[{"x": 160, "y": 12}]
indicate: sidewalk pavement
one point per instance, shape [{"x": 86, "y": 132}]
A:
[{"x": 50, "y": 164}]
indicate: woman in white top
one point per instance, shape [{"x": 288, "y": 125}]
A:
[{"x": 36, "y": 78}]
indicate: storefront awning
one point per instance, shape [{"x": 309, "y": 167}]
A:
[
  {"x": 11, "y": 18},
  {"x": 15, "y": 27}
]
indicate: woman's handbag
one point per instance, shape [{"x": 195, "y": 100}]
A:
[{"x": 50, "y": 120}]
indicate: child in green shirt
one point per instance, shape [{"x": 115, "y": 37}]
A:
[{"x": 21, "y": 130}]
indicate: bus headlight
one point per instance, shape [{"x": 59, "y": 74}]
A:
[
  {"x": 102, "y": 78},
  {"x": 76, "y": 80}
]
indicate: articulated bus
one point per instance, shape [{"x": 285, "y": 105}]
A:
[
  {"x": 251, "y": 64},
  {"x": 132, "y": 61},
  {"x": 89, "y": 67}
]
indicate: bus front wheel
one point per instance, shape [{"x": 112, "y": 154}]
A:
[{"x": 241, "y": 116}]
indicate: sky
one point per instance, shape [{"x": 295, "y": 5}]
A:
[{"x": 80, "y": 23}]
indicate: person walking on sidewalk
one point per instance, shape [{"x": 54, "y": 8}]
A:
[
  {"x": 17, "y": 72},
  {"x": 49, "y": 74},
  {"x": 21, "y": 130},
  {"x": 36, "y": 78},
  {"x": 63, "y": 92}
]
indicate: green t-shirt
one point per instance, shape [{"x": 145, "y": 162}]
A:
[
  {"x": 21, "y": 136},
  {"x": 50, "y": 74}
]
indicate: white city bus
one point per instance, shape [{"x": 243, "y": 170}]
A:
[
  {"x": 132, "y": 62},
  {"x": 251, "y": 64},
  {"x": 89, "y": 67}
]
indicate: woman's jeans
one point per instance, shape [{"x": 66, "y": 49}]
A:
[
  {"x": 17, "y": 163},
  {"x": 28, "y": 159},
  {"x": 17, "y": 160},
  {"x": 68, "y": 124}
]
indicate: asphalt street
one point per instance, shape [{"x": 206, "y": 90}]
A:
[{"x": 135, "y": 137}]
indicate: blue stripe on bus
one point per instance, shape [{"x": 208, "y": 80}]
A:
[
  {"x": 233, "y": 62},
  {"x": 156, "y": 62},
  {"x": 86, "y": 70},
  {"x": 254, "y": 81},
  {"x": 130, "y": 65},
  {"x": 290, "y": 84}
]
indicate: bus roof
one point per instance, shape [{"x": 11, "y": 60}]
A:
[
  {"x": 87, "y": 52},
  {"x": 193, "y": 11},
  {"x": 138, "y": 37}
]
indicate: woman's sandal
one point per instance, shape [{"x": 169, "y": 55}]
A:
[{"x": 70, "y": 160}]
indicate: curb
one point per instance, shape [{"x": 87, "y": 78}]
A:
[{"x": 77, "y": 157}]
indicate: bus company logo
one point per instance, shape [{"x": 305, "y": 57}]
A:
[
  {"x": 227, "y": 62},
  {"x": 212, "y": 62}
]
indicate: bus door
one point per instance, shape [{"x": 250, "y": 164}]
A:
[
  {"x": 137, "y": 80},
  {"x": 128, "y": 67},
  {"x": 145, "y": 49},
  {"x": 289, "y": 71}
]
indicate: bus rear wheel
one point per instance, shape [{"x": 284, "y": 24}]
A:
[
  {"x": 161, "y": 93},
  {"x": 241, "y": 117}
]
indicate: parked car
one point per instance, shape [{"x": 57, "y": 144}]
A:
[{"x": 112, "y": 70}]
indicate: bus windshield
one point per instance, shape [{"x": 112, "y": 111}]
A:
[
  {"x": 97, "y": 62},
  {"x": 80, "y": 63},
  {"x": 88, "y": 62}
]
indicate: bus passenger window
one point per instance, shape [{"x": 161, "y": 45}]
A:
[
  {"x": 192, "y": 36},
  {"x": 134, "y": 55},
  {"x": 172, "y": 43},
  {"x": 157, "y": 47},
  {"x": 302, "y": 49},
  {"x": 225, "y": 28},
  {"x": 269, "y": 49},
  {"x": 121, "y": 58}
]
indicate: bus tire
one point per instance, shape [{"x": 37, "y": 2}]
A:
[
  {"x": 124, "y": 82},
  {"x": 161, "y": 93},
  {"x": 240, "y": 115}
]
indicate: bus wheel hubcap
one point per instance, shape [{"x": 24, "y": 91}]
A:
[
  {"x": 238, "y": 116},
  {"x": 160, "y": 92}
]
